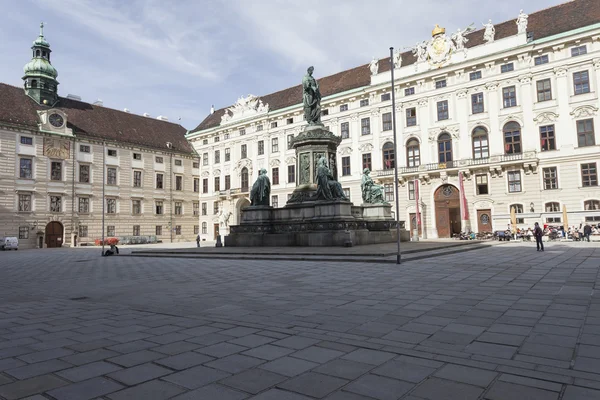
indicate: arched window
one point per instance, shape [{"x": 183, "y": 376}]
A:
[
  {"x": 413, "y": 154},
  {"x": 389, "y": 156},
  {"x": 34, "y": 83},
  {"x": 481, "y": 147},
  {"x": 244, "y": 179},
  {"x": 518, "y": 210},
  {"x": 512, "y": 138},
  {"x": 37, "y": 53},
  {"x": 445, "y": 148},
  {"x": 553, "y": 207},
  {"x": 44, "y": 54},
  {"x": 591, "y": 205}
]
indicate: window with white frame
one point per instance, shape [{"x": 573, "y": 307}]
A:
[
  {"x": 24, "y": 203},
  {"x": 55, "y": 204},
  {"x": 111, "y": 176},
  {"x": 84, "y": 205},
  {"x": 136, "y": 207},
  {"x": 514, "y": 181},
  {"x": 137, "y": 179},
  {"x": 25, "y": 168},
  {"x": 550, "y": 178}
]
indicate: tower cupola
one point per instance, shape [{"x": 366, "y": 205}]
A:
[{"x": 39, "y": 75}]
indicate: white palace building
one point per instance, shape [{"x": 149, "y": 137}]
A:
[{"x": 512, "y": 107}]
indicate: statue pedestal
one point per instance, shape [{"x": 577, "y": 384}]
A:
[
  {"x": 377, "y": 211},
  {"x": 254, "y": 214}
]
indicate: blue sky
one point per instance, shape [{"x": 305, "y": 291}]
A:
[{"x": 177, "y": 58}]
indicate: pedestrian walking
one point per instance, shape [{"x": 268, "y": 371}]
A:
[
  {"x": 198, "y": 240},
  {"x": 587, "y": 231},
  {"x": 538, "y": 233}
]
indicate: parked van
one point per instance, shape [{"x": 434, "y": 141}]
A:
[{"x": 9, "y": 243}]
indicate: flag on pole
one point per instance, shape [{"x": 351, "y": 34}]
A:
[
  {"x": 464, "y": 211},
  {"x": 417, "y": 203}
]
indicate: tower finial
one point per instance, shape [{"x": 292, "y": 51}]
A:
[{"x": 41, "y": 29}]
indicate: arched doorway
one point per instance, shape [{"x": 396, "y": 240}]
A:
[
  {"x": 241, "y": 204},
  {"x": 54, "y": 234},
  {"x": 447, "y": 211}
]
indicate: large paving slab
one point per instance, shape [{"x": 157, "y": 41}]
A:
[{"x": 498, "y": 323}]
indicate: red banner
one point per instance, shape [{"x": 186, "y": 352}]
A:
[{"x": 464, "y": 211}]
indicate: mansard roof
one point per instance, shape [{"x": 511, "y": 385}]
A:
[
  {"x": 550, "y": 21},
  {"x": 96, "y": 122}
]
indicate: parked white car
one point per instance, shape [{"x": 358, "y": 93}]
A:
[{"x": 9, "y": 243}]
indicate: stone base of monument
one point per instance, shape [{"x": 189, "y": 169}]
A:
[{"x": 318, "y": 223}]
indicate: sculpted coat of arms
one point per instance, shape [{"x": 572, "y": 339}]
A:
[{"x": 439, "y": 47}]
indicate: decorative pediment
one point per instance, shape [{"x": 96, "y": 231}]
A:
[
  {"x": 584, "y": 111},
  {"x": 526, "y": 78},
  {"x": 545, "y": 117},
  {"x": 453, "y": 130},
  {"x": 510, "y": 118},
  {"x": 345, "y": 150},
  {"x": 290, "y": 160},
  {"x": 244, "y": 107},
  {"x": 243, "y": 163},
  {"x": 205, "y": 174},
  {"x": 365, "y": 147},
  {"x": 483, "y": 203},
  {"x": 217, "y": 172},
  {"x": 561, "y": 71},
  {"x": 274, "y": 163}
]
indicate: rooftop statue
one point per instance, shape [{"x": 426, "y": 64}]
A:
[
  {"x": 397, "y": 59},
  {"x": 522, "y": 22},
  {"x": 327, "y": 187},
  {"x": 490, "y": 32},
  {"x": 371, "y": 193},
  {"x": 311, "y": 97},
  {"x": 261, "y": 190},
  {"x": 374, "y": 66}
]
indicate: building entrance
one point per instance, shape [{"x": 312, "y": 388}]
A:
[
  {"x": 54, "y": 234},
  {"x": 447, "y": 211}
]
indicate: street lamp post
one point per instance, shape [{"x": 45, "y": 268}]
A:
[
  {"x": 103, "y": 185},
  {"x": 398, "y": 256}
]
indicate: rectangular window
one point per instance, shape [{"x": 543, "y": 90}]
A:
[
  {"x": 195, "y": 164},
  {"x": 475, "y": 75},
  {"x": 196, "y": 208},
  {"x": 178, "y": 208},
  {"x": 585, "y": 133},
  {"x": 274, "y": 145},
  {"x": 344, "y": 107},
  {"x": 204, "y": 141},
  {"x": 409, "y": 91},
  {"x": 244, "y": 151},
  {"x": 291, "y": 173},
  {"x": 24, "y": 232},
  {"x": 578, "y": 51},
  {"x": 205, "y": 159},
  {"x": 507, "y": 68},
  {"x": 324, "y": 113},
  {"x": 136, "y": 207},
  {"x": 215, "y": 207},
  {"x": 159, "y": 181},
  {"x": 205, "y": 185},
  {"x": 25, "y": 170},
  {"x": 55, "y": 204},
  {"x": 136, "y": 230},
  {"x": 227, "y": 155},
  {"x": 227, "y": 182},
  {"x": 83, "y": 231},
  {"x": 388, "y": 190},
  {"x": 346, "y": 193},
  {"x": 196, "y": 185},
  {"x": 84, "y": 205},
  {"x": 411, "y": 190},
  {"x": 24, "y": 202},
  {"x": 110, "y": 230},
  {"x": 440, "y": 84},
  {"x": 259, "y": 127},
  {"x": 365, "y": 126},
  {"x": 242, "y": 131},
  {"x": 196, "y": 229},
  {"x": 477, "y": 103},
  {"x": 204, "y": 228},
  {"x": 509, "y": 96},
  {"x": 366, "y": 160},
  {"x": 289, "y": 121},
  {"x": 204, "y": 209},
  {"x": 111, "y": 153},
  {"x": 442, "y": 110},
  {"x": 178, "y": 163},
  {"x": 179, "y": 182},
  {"x": 386, "y": 120},
  {"x": 111, "y": 206},
  {"x": 261, "y": 147},
  {"x": 345, "y": 130},
  {"x": 159, "y": 207},
  {"x": 547, "y": 141},
  {"x": 111, "y": 176},
  {"x": 589, "y": 175},
  {"x": 481, "y": 181},
  {"x": 514, "y": 181},
  {"x": 544, "y": 90},
  {"x": 273, "y": 124},
  {"x": 137, "y": 156},
  {"x": 217, "y": 183},
  {"x": 553, "y": 220},
  {"x": 84, "y": 173},
  {"x": 137, "y": 178},
  {"x": 217, "y": 139},
  {"x": 550, "y": 178},
  {"x": 158, "y": 230},
  {"x": 541, "y": 60},
  {"x": 275, "y": 176},
  {"x": 274, "y": 201},
  {"x": 290, "y": 139},
  {"x": 364, "y": 102},
  {"x": 581, "y": 82},
  {"x": 56, "y": 171},
  {"x": 27, "y": 140},
  {"x": 158, "y": 160},
  {"x": 217, "y": 156},
  {"x": 411, "y": 116},
  {"x": 345, "y": 166},
  {"x": 386, "y": 97},
  {"x": 84, "y": 148}
]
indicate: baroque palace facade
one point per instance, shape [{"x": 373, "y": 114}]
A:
[
  {"x": 512, "y": 108},
  {"x": 56, "y": 153}
]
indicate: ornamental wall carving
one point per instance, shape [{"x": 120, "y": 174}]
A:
[
  {"x": 217, "y": 172},
  {"x": 584, "y": 111},
  {"x": 345, "y": 150},
  {"x": 453, "y": 130},
  {"x": 274, "y": 163},
  {"x": 245, "y": 163},
  {"x": 545, "y": 117},
  {"x": 290, "y": 160},
  {"x": 244, "y": 107},
  {"x": 365, "y": 147}
]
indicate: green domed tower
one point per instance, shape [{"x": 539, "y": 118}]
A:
[{"x": 40, "y": 76}]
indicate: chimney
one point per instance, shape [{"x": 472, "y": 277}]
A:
[
  {"x": 146, "y": 115},
  {"x": 212, "y": 109},
  {"x": 73, "y": 97},
  {"x": 126, "y": 110},
  {"x": 162, "y": 118},
  {"x": 98, "y": 102}
]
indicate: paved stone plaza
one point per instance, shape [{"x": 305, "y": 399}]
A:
[{"x": 503, "y": 322}]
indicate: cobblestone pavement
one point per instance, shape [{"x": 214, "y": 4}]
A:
[{"x": 504, "y": 322}]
